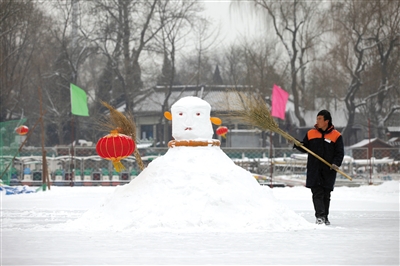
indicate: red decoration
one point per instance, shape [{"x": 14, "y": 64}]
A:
[
  {"x": 221, "y": 131},
  {"x": 115, "y": 147},
  {"x": 22, "y": 130}
]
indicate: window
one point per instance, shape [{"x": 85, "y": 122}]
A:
[{"x": 146, "y": 132}]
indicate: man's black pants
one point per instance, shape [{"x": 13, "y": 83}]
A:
[{"x": 321, "y": 199}]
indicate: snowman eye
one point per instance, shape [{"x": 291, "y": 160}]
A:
[
  {"x": 180, "y": 113},
  {"x": 198, "y": 114}
]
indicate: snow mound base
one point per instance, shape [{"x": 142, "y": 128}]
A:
[{"x": 191, "y": 189}]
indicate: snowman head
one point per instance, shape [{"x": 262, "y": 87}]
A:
[{"x": 191, "y": 119}]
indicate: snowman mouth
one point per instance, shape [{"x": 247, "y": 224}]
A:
[{"x": 188, "y": 128}]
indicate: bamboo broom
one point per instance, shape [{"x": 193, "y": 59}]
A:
[
  {"x": 125, "y": 125},
  {"x": 254, "y": 111}
]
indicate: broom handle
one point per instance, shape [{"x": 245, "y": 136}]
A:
[{"x": 298, "y": 143}]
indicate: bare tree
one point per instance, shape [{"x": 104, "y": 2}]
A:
[
  {"x": 385, "y": 34},
  {"x": 261, "y": 60},
  {"x": 368, "y": 35},
  {"x": 19, "y": 33},
  {"x": 64, "y": 56},
  {"x": 299, "y": 26},
  {"x": 196, "y": 66},
  {"x": 234, "y": 65},
  {"x": 124, "y": 29},
  {"x": 177, "y": 19},
  {"x": 205, "y": 39}
]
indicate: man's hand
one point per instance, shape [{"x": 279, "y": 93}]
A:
[
  {"x": 292, "y": 142},
  {"x": 334, "y": 167}
]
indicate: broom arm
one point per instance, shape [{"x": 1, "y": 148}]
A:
[{"x": 299, "y": 144}]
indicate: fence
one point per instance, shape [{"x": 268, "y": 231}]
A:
[
  {"x": 83, "y": 164},
  {"x": 9, "y": 144}
]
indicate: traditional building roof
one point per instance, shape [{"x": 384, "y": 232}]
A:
[
  {"x": 394, "y": 142},
  {"x": 218, "y": 96},
  {"x": 375, "y": 142}
]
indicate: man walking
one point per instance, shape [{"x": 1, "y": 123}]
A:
[{"x": 325, "y": 141}]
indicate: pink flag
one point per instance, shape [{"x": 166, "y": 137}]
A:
[{"x": 279, "y": 100}]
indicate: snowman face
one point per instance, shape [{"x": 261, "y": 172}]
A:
[{"x": 191, "y": 122}]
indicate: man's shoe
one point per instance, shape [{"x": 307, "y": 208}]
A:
[
  {"x": 320, "y": 220},
  {"x": 327, "y": 221}
]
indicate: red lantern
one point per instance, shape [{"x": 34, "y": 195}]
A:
[
  {"x": 115, "y": 147},
  {"x": 221, "y": 131},
  {"x": 22, "y": 130}
]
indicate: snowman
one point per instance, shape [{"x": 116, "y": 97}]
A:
[
  {"x": 191, "y": 123},
  {"x": 194, "y": 187}
]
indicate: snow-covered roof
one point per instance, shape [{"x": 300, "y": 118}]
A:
[
  {"x": 219, "y": 99},
  {"x": 365, "y": 142},
  {"x": 393, "y": 129},
  {"x": 394, "y": 139},
  {"x": 395, "y": 142},
  {"x": 362, "y": 143}
]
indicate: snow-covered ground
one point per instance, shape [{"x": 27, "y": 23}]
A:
[
  {"x": 193, "y": 205},
  {"x": 364, "y": 231}
]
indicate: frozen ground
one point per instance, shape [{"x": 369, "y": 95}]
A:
[{"x": 364, "y": 231}]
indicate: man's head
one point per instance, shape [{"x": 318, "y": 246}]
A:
[{"x": 324, "y": 119}]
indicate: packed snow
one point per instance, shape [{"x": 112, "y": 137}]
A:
[{"x": 192, "y": 189}]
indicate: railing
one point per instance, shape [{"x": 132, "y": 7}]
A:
[{"x": 83, "y": 163}]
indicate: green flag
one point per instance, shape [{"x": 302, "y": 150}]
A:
[{"x": 78, "y": 101}]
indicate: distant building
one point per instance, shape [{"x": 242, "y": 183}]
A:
[
  {"x": 149, "y": 115},
  {"x": 372, "y": 148}
]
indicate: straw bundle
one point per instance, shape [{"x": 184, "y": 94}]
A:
[
  {"x": 125, "y": 125},
  {"x": 253, "y": 110}
]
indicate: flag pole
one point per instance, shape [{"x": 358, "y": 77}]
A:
[
  {"x": 79, "y": 106},
  {"x": 72, "y": 151},
  {"x": 45, "y": 170},
  {"x": 270, "y": 158}
]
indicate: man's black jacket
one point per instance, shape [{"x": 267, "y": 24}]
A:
[{"x": 328, "y": 145}]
